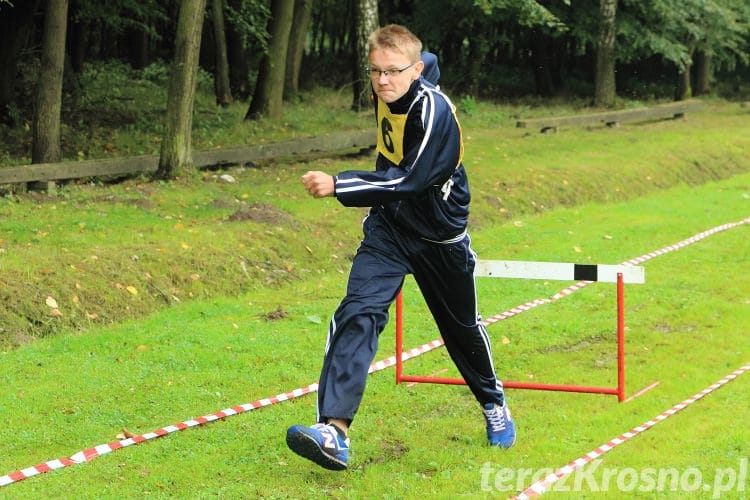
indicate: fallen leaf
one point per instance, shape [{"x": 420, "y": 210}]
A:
[
  {"x": 51, "y": 302},
  {"x": 506, "y": 340},
  {"x": 132, "y": 290}
]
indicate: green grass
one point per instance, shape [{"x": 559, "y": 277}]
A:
[
  {"x": 686, "y": 329},
  {"x": 176, "y": 300},
  {"x": 199, "y": 237}
]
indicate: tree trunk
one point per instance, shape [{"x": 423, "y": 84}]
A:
[
  {"x": 366, "y": 22},
  {"x": 702, "y": 73},
  {"x": 48, "y": 105},
  {"x": 138, "y": 46},
  {"x": 221, "y": 72},
  {"x": 269, "y": 89},
  {"x": 605, "y": 90},
  {"x": 176, "y": 155},
  {"x": 541, "y": 61},
  {"x": 478, "y": 50},
  {"x": 16, "y": 27},
  {"x": 683, "y": 89},
  {"x": 238, "y": 63},
  {"x": 297, "y": 37},
  {"x": 78, "y": 41}
]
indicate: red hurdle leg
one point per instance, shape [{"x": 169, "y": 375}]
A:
[
  {"x": 399, "y": 335},
  {"x": 620, "y": 338}
]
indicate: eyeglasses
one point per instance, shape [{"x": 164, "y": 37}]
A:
[{"x": 376, "y": 73}]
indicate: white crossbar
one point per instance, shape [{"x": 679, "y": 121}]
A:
[{"x": 559, "y": 271}]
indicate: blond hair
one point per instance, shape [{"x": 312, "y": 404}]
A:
[{"x": 397, "y": 38}]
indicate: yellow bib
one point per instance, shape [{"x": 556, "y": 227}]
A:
[{"x": 390, "y": 133}]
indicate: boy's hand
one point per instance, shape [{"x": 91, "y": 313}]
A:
[{"x": 318, "y": 184}]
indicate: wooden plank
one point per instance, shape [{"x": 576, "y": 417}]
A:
[
  {"x": 329, "y": 142},
  {"x": 77, "y": 169},
  {"x": 145, "y": 164},
  {"x": 669, "y": 110}
]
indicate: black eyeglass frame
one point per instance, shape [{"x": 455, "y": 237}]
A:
[{"x": 376, "y": 73}]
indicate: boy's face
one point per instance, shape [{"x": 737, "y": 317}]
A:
[{"x": 395, "y": 84}]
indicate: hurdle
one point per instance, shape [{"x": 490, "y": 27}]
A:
[{"x": 582, "y": 273}]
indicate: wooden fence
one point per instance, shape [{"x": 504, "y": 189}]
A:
[
  {"x": 672, "y": 110},
  {"x": 50, "y": 172}
]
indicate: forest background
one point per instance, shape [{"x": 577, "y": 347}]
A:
[{"x": 601, "y": 53}]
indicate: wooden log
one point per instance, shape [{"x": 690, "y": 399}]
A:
[
  {"x": 44, "y": 172},
  {"x": 673, "y": 110}
]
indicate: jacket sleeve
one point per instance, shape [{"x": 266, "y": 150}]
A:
[{"x": 429, "y": 161}]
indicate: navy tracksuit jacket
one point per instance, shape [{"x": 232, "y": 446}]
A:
[{"x": 419, "y": 196}]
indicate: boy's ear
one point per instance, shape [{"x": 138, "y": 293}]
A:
[{"x": 419, "y": 67}]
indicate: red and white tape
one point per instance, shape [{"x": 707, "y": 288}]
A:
[
  {"x": 545, "y": 483},
  {"x": 684, "y": 243},
  {"x": 89, "y": 454}
]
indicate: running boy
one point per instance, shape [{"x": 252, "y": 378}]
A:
[{"x": 419, "y": 199}]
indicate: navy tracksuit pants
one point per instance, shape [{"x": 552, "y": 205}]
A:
[{"x": 444, "y": 274}]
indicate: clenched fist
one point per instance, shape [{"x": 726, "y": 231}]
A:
[{"x": 318, "y": 184}]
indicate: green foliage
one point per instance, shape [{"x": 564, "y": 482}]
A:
[
  {"x": 250, "y": 19},
  {"x": 468, "y": 105},
  {"x": 156, "y": 73},
  {"x": 120, "y": 15},
  {"x": 529, "y": 13},
  {"x": 675, "y": 28},
  {"x": 648, "y": 34}
]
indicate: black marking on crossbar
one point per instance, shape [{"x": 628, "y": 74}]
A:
[{"x": 585, "y": 272}]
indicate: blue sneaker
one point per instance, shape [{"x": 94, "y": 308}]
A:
[
  {"x": 501, "y": 431},
  {"x": 320, "y": 443}
]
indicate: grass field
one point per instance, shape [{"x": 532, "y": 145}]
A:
[{"x": 177, "y": 300}]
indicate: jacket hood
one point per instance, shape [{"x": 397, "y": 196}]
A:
[{"x": 431, "y": 72}]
